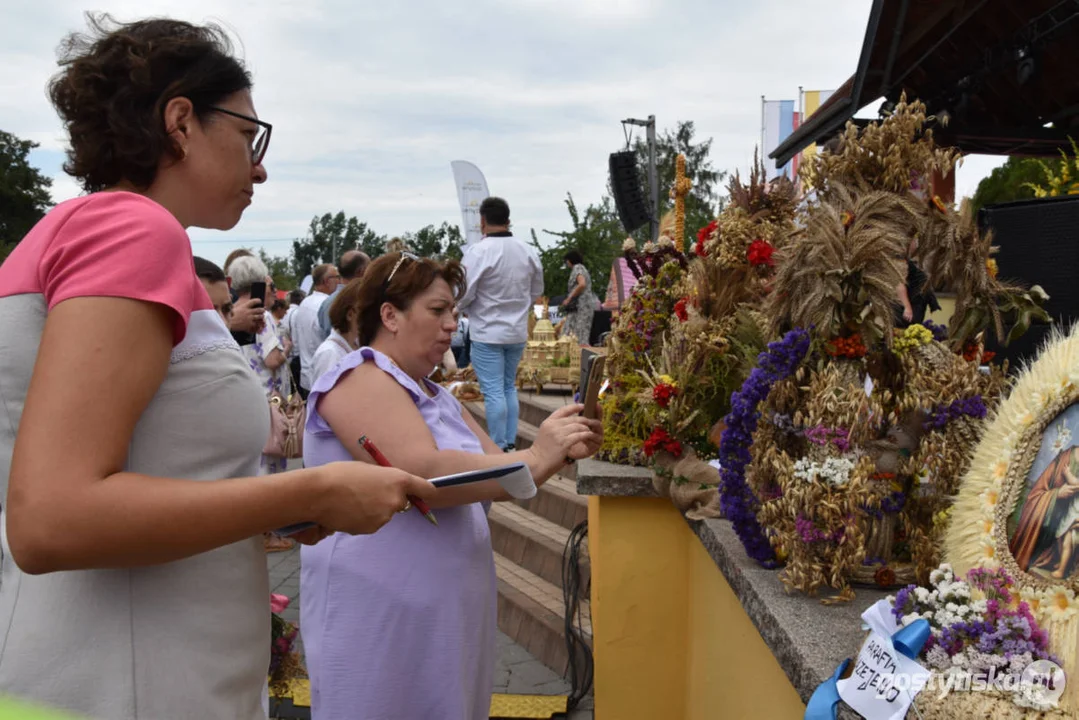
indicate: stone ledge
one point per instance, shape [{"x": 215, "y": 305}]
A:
[
  {"x": 808, "y": 639},
  {"x": 595, "y": 477}
]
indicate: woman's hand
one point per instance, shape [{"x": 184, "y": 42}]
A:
[
  {"x": 565, "y": 434},
  {"x": 361, "y": 498}
]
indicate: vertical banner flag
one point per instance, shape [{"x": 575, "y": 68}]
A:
[
  {"x": 777, "y": 124},
  {"x": 811, "y": 102},
  {"x": 471, "y": 191}
]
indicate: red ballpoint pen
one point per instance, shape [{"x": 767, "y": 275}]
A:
[{"x": 379, "y": 458}]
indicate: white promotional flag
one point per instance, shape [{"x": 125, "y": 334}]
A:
[{"x": 471, "y": 191}]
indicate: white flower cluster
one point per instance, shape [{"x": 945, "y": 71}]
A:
[
  {"x": 834, "y": 471},
  {"x": 947, "y": 602}
]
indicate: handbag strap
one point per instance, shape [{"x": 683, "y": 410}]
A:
[{"x": 341, "y": 344}]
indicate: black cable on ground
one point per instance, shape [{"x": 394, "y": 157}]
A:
[{"x": 580, "y": 655}]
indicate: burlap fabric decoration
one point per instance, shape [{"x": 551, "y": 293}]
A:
[{"x": 690, "y": 483}]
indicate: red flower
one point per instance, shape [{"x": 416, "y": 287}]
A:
[
  {"x": 707, "y": 230},
  {"x": 699, "y": 250},
  {"x": 848, "y": 347},
  {"x": 661, "y": 440},
  {"x": 663, "y": 393},
  {"x": 760, "y": 253},
  {"x": 680, "y": 310}
]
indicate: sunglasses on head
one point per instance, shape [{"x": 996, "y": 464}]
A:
[{"x": 396, "y": 267}]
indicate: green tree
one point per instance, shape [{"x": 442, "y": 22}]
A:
[
  {"x": 703, "y": 202},
  {"x": 280, "y": 270},
  {"x": 24, "y": 192},
  {"x": 328, "y": 237},
  {"x": 1006, "y": 183},
  {"x": 443, "y": 242},
  {"x": 597, "y": 234}
]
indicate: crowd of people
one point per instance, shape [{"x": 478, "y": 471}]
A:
[{"x": 133, "y": 582}]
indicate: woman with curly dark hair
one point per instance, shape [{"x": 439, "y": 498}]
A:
[{"x": 134, "y": 581}]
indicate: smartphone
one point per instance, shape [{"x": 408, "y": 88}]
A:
[
  {"x": 595, "y": 383},
  {"x": 258, "y": 292}
]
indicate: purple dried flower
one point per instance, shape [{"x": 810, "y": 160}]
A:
[{"x": 737, "y": 500}]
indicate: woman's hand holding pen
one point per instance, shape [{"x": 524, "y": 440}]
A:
[{"x": 359, "y": 498}]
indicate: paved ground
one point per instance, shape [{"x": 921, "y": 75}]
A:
[{"x": 517, "y": 671}]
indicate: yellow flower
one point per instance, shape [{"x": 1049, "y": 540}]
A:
[
  {"x": 1000, "y": 469},
  {"x": 1033, "y": 599},
  {"x": 991, "y": 266},
  {"x": 1059, "y": 603},
  {"x": 668, "y": 380}
]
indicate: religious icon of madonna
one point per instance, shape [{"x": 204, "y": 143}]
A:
[{"x": 1044, "y": 538}]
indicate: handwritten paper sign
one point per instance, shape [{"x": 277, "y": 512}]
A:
[{"x": 872, "y": 690}]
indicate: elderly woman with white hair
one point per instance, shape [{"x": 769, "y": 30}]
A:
[{"x": 266, "y": 356}]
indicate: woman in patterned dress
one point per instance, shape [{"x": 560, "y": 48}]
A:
[
  {"x": 580, "y": 303},
  {"x": 134, "y": 582}
]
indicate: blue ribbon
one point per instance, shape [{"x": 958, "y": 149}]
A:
[
  {"x": 822, "y": 704},
  {"x": 909, "y": 641}
]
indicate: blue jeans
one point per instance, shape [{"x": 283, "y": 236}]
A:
[{"x": 496, "y": 371}]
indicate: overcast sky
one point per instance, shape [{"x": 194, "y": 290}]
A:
[{"x": 370, "y": 101}]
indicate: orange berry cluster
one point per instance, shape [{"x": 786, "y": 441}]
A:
[{"x": 849, "y": 347}]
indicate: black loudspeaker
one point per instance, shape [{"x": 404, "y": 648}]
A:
[
  {"x": 626, "y": 186},
  {"x": 1039, "y": 245}
]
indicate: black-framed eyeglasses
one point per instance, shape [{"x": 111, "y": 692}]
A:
[
  {"x": 262, "y": 136},
  {"x": 396, "y": 266}
]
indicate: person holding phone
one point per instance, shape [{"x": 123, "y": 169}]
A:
[
  {"x": 402, "y": 624},
  {"x": 134, "y": 582},
  {"x": 265, "y": 354}
]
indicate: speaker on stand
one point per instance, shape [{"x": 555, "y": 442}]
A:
[{"x": 626, "y": 187}]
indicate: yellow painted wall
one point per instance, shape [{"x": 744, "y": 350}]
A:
[
  {"x": 670, "y": 639},
  {"x": 639, "y": 591},
  {"x": 732, "y": 672}
]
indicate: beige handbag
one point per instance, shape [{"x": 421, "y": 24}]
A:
[{"x": 286, "y": 427}]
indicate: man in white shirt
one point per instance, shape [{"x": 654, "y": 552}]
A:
[
  {"x": 505, "y": 278},
  {"x": 306, "y": 335},
  {"x": 294, "y": 299}
]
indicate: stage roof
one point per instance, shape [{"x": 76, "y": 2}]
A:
[{"x": 1004, "y": 71}]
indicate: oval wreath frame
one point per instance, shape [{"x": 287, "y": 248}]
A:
[{"x": 977, "y": 534}]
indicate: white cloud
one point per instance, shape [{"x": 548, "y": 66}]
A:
[{"x": 371, "y": 101}]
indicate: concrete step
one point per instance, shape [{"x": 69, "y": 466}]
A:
[
  {"x": 526, "y": 434},
  {"x": 532, "y": 612},
  {"x": 558, "y": 501},
  {"x": 534, "y": 408},
  {"x": 532, "y": 542}
]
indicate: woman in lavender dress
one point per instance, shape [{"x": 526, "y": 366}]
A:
[{"x": 402, "y": 624}]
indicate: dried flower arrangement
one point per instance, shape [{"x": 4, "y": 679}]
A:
[
  {"x": 284, "y": 660},
  {"x": 634, "y": 344},
  {"x": 841, "y": 456},
  {"x": 982, "y": 627},
  {"x": 958, "y": 256}
]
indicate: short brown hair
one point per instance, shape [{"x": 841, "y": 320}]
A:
[
  {"x": 412, "y": 277},
  {"x": 115, "y": 82},
  {"x": 320, "y": 272},
  {"x": 345, "y": 300}
]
